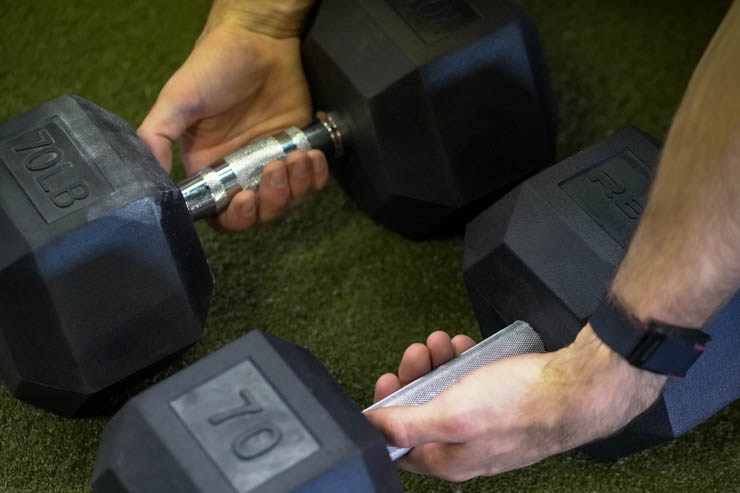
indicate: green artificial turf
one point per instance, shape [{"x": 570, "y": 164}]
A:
[{"x": 327, "y": 277}]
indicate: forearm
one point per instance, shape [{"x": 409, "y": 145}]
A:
[
  {"x": 278, "y": 19},
  {"x": 684, "y": 260}
]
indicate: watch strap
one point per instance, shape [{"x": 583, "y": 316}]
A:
[{"x": 657, "y": 347}]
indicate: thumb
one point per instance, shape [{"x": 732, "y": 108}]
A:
[
  {"x": 410, "y": 426},
  {"x": 165, "y": 124}
]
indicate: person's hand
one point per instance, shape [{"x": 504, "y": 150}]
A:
[
  {"x": 238, "y": 85},
  {"x": 419, "y": 359},
  {"x": 513, "y": 412}
]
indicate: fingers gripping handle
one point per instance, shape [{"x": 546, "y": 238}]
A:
[
  {"x": 210, "y": 190},
  {"x": 517, "y": 338}
]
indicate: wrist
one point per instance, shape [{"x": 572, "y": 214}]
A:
[
  {"x": 608, "y": 363},
  {"x": 280, "y": 20},
  {"x": 599, "y": 392},
  {"x": 647, "y": 344}
]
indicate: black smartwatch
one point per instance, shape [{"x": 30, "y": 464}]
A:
[{"x": 655, "y": 346}]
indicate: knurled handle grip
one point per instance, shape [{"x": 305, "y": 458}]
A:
[{"x": 211, "y": 189}]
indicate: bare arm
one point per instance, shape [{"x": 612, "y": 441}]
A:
[{"x": 684, "y": 260}]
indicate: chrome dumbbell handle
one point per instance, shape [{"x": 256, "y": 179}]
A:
[{"x": 210, "y": 190}]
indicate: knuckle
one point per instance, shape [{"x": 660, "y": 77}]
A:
[
  {"x": 272, "y": 199},
  {"x": 456, "y": 427},
  {"x": 398, "y": 433}
]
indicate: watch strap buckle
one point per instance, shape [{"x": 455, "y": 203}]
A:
[{"x": 657, "y": 347}]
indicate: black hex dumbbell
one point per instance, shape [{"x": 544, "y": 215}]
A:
[
  {"x": 546, "y": 253},
  {"x": 435, "y": 108}
]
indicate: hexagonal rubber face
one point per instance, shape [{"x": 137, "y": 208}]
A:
[
  {"x": 104, "y": 274},
  {"x": 443, "y": 109},
  {"x": 260, "y": 414},
  {"x": 547, "y": 251}
]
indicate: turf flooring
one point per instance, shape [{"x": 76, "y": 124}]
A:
[{"x": 325, "y": 276}]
